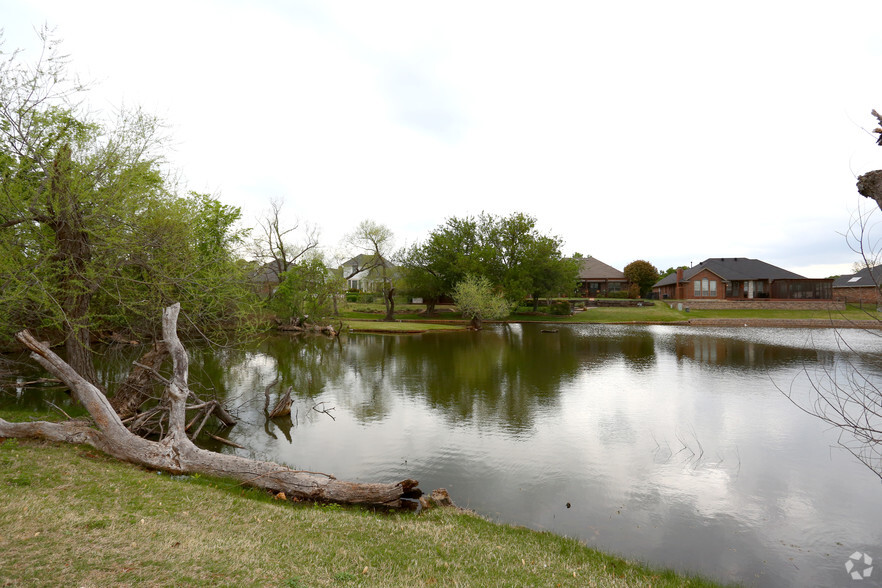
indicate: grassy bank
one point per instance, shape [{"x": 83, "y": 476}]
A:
[
  {"x": 401, "y": 327},
  {"x": 74, "y": 517},
  {"x": 658, "y": 312}
]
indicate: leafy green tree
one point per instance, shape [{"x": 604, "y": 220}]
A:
[
  {"x": 91, "y": 236},
  {"x": 642, "y": 274},
  {"x": 307, "y": 290},
  {"x": 509, "y": 251},
  {"x": 551, "y": 274},
  {"x": 477, "y": 301},
  {"x": 417, "y": 277}
]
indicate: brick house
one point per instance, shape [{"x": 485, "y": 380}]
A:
[
  {"x": 859, "y": 288},
  {"x": 599, "y": 279},
  {"x": 740, "y": 278}
]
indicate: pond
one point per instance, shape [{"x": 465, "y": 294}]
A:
[{"x": 674, "y": 446}]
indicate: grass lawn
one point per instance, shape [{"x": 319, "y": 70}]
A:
[
  {"x": 658, "y": 312},
  {"x": 71, "y": 516},
  {"x": 375, "y": 326}
]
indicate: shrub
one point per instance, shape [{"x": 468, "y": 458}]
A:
[{"x": 560, "y": 307}]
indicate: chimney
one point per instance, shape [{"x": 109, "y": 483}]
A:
[{"x": 679, "y": 274}]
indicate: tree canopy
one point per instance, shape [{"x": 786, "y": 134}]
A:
[
  {"x": 477, "y": 301},
  {"x": 510, "y": 252},
  {"x": 643, "y": 274},
  {"x": 92, "y": 233}
]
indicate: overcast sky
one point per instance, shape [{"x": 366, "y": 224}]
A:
[{"x": 665, "y": 131}]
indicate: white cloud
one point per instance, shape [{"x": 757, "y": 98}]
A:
[{"x": 665, "y": 131}]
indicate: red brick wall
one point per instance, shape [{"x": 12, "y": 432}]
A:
[
  {"x": 868, "y": 295},
  {"x": 689, "y": 289},
  {"x": 759, "y": 303}
]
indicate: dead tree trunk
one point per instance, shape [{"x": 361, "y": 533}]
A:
[
  {"x": 137, "y": 388},
  {"x": 175, "y": 452},
  {"x": 283, "y": 406}
]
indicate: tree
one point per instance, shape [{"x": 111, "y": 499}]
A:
[
  {"x": 551, "y": 274},
  {"x": 91, "y": 235},
  {"x": 418, "y": 278},
  {"x": 307, "y": 289},
  {"x": 671, "y": 270},
  {"x": 274, "y": 245},
  {"x": 376, "y": 241},
  {"x": 643, "y": 274},
  {"x": 477, "y": 301},
  {"x": 509, "y": 251}
]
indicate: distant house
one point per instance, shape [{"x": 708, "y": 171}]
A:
[
  {"x": 734, "y": 278},
  {"x": 862, "y": 287},
  {"x": 265, "y": 279},
  {"x": 597, "y": 279},
  {"x": 364, "y": 273}
]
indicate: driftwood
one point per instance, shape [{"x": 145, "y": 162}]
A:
[
  {"x": 283, "y": 406},
  {"x": 309, "y": 328},
  {"x": 299, "y": 325},
  {"x": 174, "y": 451}
]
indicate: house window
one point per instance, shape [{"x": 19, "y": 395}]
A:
[{"x": 705, "y": 288}]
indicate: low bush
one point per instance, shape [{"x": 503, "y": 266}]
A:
[{"x": 560, "y": 307}]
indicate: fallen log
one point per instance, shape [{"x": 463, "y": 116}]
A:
[
  {"x": 309, "y": 328},
  {"x": 174, "y": 451}
]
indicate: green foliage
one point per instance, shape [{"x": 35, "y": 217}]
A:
[
  {"x": 671, "y": 270},
  {"x": 418, "y": 278},
  {"x": 560, "y": 307},
  {"x": 476, "y": 300},
  {"x": 643, "y": 274},
  {"x": 92, "y": 236},
  {"x": 307, "y": 289},
  {"x": 509, "y": 251}
]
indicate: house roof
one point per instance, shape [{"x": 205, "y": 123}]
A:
[
  {"x": 362, "y": 259},
  {"x": 268, "y": 272},
  {"x": 869, "y": 277},
  {"x": 592, "y": 269},
  {"x": 734, "y": 269}
]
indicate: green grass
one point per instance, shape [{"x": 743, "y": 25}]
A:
[
  {"x": 72, "y": 516},
  {"x": 375, "y": 326},
  {"x": 658, "y": 312}
]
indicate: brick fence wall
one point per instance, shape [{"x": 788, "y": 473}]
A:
[
  {"x": 761, "y": 303},
  {"x": 857, "y": 295}
]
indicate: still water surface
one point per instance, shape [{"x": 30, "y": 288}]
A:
[{"x": 672, "y": 445}]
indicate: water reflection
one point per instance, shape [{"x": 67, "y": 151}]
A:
[{"x": 672, "y": 444}]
